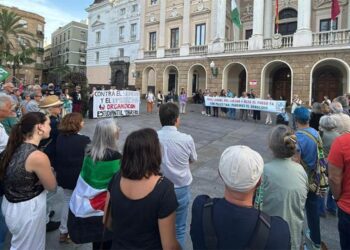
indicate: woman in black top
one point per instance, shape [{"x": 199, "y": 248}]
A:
[
  {"x": 26, "y": 173},
  {"x": 70, "y": 150},
  {"x": 142, "y": 201}
]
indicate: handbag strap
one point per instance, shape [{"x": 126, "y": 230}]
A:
[
  {"x": 211, "y": 240},
  {"x": 261, "y": 232}
]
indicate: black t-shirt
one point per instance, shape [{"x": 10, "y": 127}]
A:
[
  {"x": 234, "y": 226},
  {"x": 135, "y": 222}
]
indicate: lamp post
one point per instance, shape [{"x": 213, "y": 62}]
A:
[{"x": 14, "y": 65}]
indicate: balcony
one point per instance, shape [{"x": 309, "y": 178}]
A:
[
  {"x": 133, "y": 38},
  {"x": 40, "y": 34},
  {"x": 172, "y": 52},
  {"x": 120, "y": 59},
  {"x": 236, "y": 46},
  {"x": 199, "y": 50},
  {"x": 335, "y": 37},
  {"x": 82, "y": 59},
  {"x": 150, "y": 54},
  {"x": 39, "y": 66},
  {"x": 279, "y": 42},
  {"x": 40, "y": 50}
]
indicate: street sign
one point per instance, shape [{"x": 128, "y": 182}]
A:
[{"x": 3, "y": 74}]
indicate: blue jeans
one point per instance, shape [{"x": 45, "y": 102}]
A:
[
  {"x": 321, "y": 206},
  {"x": 3, "y": 227},
  {"x": 183, "y": 198},
  {"x": 343, "y": 227},
  {"x": 331, "y": 204},
  {"x": 232, "y": 113},
  {"x": 313, "y": 217}
]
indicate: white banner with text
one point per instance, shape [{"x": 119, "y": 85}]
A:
[
  {"x": 246, "y": 103},
  {"x": 111, "y": 103}
]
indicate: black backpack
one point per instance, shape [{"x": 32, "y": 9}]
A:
[{"x": 258, "y": 239}]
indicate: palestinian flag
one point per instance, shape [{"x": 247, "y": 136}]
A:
[
  {"x": 235, "y": 17},
  {"x": 89, "y": 196}
]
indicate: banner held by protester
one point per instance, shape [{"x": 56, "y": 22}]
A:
[{"x": 111, "y": 103}]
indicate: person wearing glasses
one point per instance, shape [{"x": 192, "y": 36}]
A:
[{"x": 33, "y": 104}]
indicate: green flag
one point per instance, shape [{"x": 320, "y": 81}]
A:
[
  {"x": 3, "y": 74},
  {"x": 236, "y": 19}
]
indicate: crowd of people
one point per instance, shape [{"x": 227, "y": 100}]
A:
[{"x": 139, "y": 198}]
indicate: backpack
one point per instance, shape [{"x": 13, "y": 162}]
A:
[
  {"x": 282, "y": 118},
  {"x": 318, "y": 180},
  {"x": 257, "y": 241}
]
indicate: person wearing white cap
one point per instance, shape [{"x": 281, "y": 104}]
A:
[{"x": 232, "y": 222}]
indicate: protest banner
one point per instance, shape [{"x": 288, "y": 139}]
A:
[
  {"x": 245, "y": 103},
  {"x": 3, "y": 74},
  {"x": 111, "y": 103}
]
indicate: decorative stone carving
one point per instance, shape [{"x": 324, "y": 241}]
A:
[
  {"x": 320, "y": 4},
  {"x": 247, "y": 13},
  {"x": 174, "y": 12},
  {"x": 200, "y": 5},
  {"x": 152, "y": 18},
  {"x": 276, "y": 41}
]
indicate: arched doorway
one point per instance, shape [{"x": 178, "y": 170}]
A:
[
  {"x": 277, "y": 80},
  {"x": 119, "y": 80},
  {"x": 287, "y": 21},
  {"x": 148, "y": 80},
  {"x": 197, "y": 79},
  {"x": 235, "y": 78},
  {"x": 329, "y": 78},
  {"x": 170, "y": 80}
]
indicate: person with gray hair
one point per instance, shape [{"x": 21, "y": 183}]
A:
[
  {"x": 344, "y": 103},
  {"x": 342, "y": 122},
  {"x": 102, "y": 160},
  {"x": 336, "y": 107},
  {"x": 328, "y": 134},
  {"x": 284, "y": 185}
]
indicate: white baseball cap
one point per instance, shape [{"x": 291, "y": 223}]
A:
[{"x": 240, "y": 168}]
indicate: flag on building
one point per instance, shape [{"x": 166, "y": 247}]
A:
[
  {"x": 235, "y": 17},
  {"x": 89, "y": 196},
  {"x": 277, "y": 20},
  {"x": 335, "y": 9}
]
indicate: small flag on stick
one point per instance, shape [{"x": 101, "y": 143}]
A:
[{"x": 235, "y": 17}]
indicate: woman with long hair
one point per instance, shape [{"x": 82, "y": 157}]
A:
[
  {"x": 26, "y": 173},
  {"x": 70, "y": 151},
  {"x": 86, "y": 208},
  {"x": 142, "y": 202}
]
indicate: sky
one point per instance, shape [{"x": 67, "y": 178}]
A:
[{"x": 56, "y": 12}]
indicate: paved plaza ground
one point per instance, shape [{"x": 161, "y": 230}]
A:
[{"x": 211, "y": 136}]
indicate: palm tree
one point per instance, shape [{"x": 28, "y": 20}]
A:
[
  {"x": 19, "y": 58},
  {"x": 11, "y": 30}
]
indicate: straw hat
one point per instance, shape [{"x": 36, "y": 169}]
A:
[{"x": 50, "y": 101}]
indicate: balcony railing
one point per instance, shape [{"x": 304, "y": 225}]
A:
[
  {"x": 120, "y": 59},
  {"x": 335, "y": 37},
  {"x": 172, "y": 52},
  {"x": 40, "y": 50},
  {"x": 150, "y": 54},
  {"x": 236, "y": 46},
  {"x": 39, "y": 33},
  {"x": 199, "y": 50}
]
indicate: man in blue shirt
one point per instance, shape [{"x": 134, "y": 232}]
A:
[{"x": 308, "y": 157}]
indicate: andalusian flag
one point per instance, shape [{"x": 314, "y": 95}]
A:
[
  {"x": 236, "y": 19},
  {"x": 89, "y": 196},
  {"x": 3, "y": 74}
]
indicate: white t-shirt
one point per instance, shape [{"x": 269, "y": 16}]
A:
[{"x": 3, "y": 138}]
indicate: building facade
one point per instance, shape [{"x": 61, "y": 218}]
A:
[
  {"x": 68, "y": 48},
  {"x": 194, "y": 45},
  {"x": 47, "y": 63},
  {"x": 34, "y": 24},
  {"x": 113, "y": 42}
]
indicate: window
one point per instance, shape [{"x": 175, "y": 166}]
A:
[
  {"x": 61, "y": 38},
  {"x": 121, "y": 52},
  {"x": 200, "y": 34},
  {"x": 121, "y": 33},
  {"x": 325, "y": 24},
  {"x": 174, "y": 38},
  {"x": 97, "y": 56},
  {"x": 154, "y": 2},
  {"x": 122, "y": 11},
  {"x": 134, "y": 8},
  {"x": 40, "y": 28},
  {"x": 248, "y": 34},
  {"x": 133, "y": 31},
  {"x": 287, "y": 21},
  {"x": 82, "y": 35},
  {"x": 98, "y": 36},
  {"x": 152, "y": 41},
  {"x": 56, "y": 40},
  {"x": 64, "y": 37},
  {"x": 24, "y": 23},
  {"x": 68, "y": 34}
]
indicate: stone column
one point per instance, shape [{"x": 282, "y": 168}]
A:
[
  {"x": 257, "y": 40},
  {"x": 349, "y": 14},
  {"x": 303, "y": 35},
  {"x": 217, "y": 41},
  {"x": 161, "y": 35},
  {"x": 268, "y": 19},
  {"x": 185, "y": 46},
  {"x": 141, "y": 29}
]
